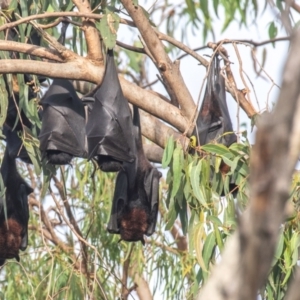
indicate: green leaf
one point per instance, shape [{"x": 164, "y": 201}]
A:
[
  {"x": 171, "y": 216},
  {"x": 199, "y": 236},
  {"x": 273, "y": 30},
  {"x": 219, "y": 239},
  {"x": 13, "y": 5},
  {"x": 3, "y": 101},
  {"x": 216, "y": 4},
  {"x": 48, "y": 171},
  {"x": 208, "y": 248},
  {"x": 195, "y": 181},
  {"x": 135, "y": 3},
  {"x": 214, "y": 220},
  {"x": 217, "y": 149},
  {"x": 168, "y": 152},
  {"x": 108, "y": 27},
  {"x": 204, "y": 7},
  {"x": 177, "y": 167}
]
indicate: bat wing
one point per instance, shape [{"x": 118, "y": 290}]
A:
[
  {"x": 151, "y": 184},
  {"x": 23, "y": 208},
  {"x": 220, "y": 94},
  {"x": 109, "y": 127},
  {"x": 214, "y": 119},
  {"x": 208, "y": 121},
  {"x": 119, "y": 202},
  {"x": 16, "y": 197},
  {"x": 63, "y": 122},
  {"x": 14, "y": 145}
]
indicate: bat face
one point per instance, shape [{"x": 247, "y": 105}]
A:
[
  {"x": 134, "y": 223},
  {"x": 135, "y": 203},
  {"x": 213, "y": 119},
  {"x": 109, "y": 127},
  {"x": 63, "y": 124},
  {"x": 13, "y": 221}
]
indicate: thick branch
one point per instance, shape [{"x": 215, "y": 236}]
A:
[
  {"x": 152, "y": 128},
  {"x": 169, "y": 71},
  {"x": 270, "y": 178},
  {"x": 293, "y": 291},
  {"x": 153, "y": 104},
  {"x": 142, "y": 289},
  {"x": 30, "y": 49},
  {"x": 158, "y": 132},
  {"x": 83, "y": 69},
  {"x": 153, "y": 152},
  {"x": 90, "y": 31}
]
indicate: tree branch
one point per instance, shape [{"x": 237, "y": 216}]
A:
[
  {"x": 153, "y": 152},
  {"x": 91, "y": 34},
  {"x": 31, "y": 49},
  {"x": 169, "y": 71},
  {"x": 59, "y": 14}
]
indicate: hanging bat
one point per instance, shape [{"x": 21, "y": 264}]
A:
[
  {"x": 136, "y": 197},
  {"x": 62, "y": 134},
  {"x": 109, "y": 127},
  {"x": 16, "y": 148},
  {"x": 14, "y": 123},
  {"x": 14, "y": 213},
  {"x": 214, "y": 119}
]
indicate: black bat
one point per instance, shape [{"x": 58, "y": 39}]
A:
[
  {"x": 214, "y": 119},
  {"x": 14, "y": 213},
  {"x": 16, "y": 148},
  {"x": 14, "y": 123},
  {"x": 62, "y": 134},
  {"x": 109, "y": 128},
  {"x": 136, "y": 197}
]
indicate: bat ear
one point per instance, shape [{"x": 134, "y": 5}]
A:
[
  {"x": 143, "y": 241},
  {"x": 24, "y": 242},
  {"x": 17, "y": 258}
]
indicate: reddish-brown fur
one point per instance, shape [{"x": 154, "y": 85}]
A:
[
  {"x": 134, "y": 225},
  {"x": 224, "y": 168},
  {"x": 10, "y": 238}
]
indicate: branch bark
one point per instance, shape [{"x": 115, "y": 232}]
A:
[
  {"x": 153, "y": 152},
  {"x": 169, "y": 71},
  {"x": 94, "y": 47}
]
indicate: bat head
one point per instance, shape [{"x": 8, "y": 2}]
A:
[
  {"x": 108, "y": 164},
  {"x": 57, "y": 157},
  {"x": 134, "y": 224},
  {"x": 11, "y": 234}
]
